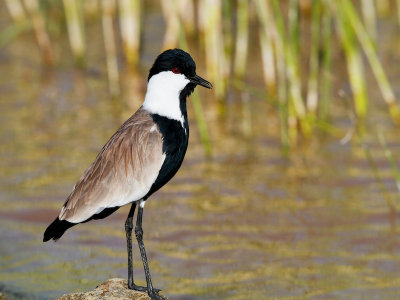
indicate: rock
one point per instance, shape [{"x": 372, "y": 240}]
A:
[{"x": 112, "y": 289}]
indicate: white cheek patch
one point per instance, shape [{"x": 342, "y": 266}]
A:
[{"x": 162, "y": 95}]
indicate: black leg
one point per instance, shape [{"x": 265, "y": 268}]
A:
[
  {"x": 139, "y": 236},
  {"x": 128, "y": 231}
]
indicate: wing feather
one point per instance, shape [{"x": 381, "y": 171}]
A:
[{"x": 123, "y": 171}]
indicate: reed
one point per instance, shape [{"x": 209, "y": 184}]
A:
[
  {"x": 170, "y": 10},
  {"x": 214, "y": 49},
  {"x": 198, "y": 107},
  {"x": 350, "y": 15},
  {"x": 242, "y": 39},
  {"x": 227, "y": 44},
  {"x": 20, "y": 23},
  {"x": 355, "y": 68},
  {"x": 201, "y": 123},
  {"x": 276, "y": 29},
  {"x": 129, "y": 22},
  {"x": 16, "y": 10},
  {"x": 187, "y": 16},
  {"x": 383, "y": 7},
  {"x": 398, "y": 10},
  {"x": 266, "y": 38},
  {"x": 326, "y": 64},
  {"x": 312, "y": 92},
  {"x": 40, "y": 30},
  {"x": 74, "y": 19},
  {"x": 369, "y": 15},
  {"x": 303, "y": 99},
  {"x": 107, "y": 18},
  {"x": 282, "y": 93},
  {"x": 91, "y": 8},
  {"x": 296, "y": 107}
]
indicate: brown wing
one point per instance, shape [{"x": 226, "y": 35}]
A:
[{"x": 123, "y": 171}]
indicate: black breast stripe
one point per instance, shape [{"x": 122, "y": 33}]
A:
[{"x": 175, "y": 142}]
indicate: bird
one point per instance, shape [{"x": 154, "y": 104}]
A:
[{"x": 139, "y": 158}]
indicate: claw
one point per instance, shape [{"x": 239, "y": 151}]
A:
[
  {"x": 156, "y": 297},
  {"x": 141, "y": 288}
]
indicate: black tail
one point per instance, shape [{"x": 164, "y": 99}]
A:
[{"x": 56, "y": 229}]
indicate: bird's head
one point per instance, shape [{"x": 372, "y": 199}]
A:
[
  {"x": 176, "y": 70},
  {"x": 172, "y": 78}
]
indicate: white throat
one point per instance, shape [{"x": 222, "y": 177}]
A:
[{"x": 162, "y": 95}]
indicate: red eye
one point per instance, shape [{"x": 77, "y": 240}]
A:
[{"x": 175, "y": 70}]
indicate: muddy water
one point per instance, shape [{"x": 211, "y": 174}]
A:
[{"x": 246, "y": 224}]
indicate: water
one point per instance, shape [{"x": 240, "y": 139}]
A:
[{"x": 246, "y": 224}]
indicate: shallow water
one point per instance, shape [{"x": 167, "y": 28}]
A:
[{"x": 246, "y": 224}]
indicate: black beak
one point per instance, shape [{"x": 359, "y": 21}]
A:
[{"x": 200, "y": 81}]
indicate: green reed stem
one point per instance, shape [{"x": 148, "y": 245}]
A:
[
  {"x": 326, "y": 64},
  {"x": 215, "y": 56},
  {"x": 129, "y": 20},
  {"x": 294, "y": 26},
  {"x": 108, "y": 13},
  {"x": 40, "y": 30},
  {"x": 242, "y": 39},
  {"x": 355, "y": 67},
  {"x": 266, "y": 42},
  {"x": 171, "y": 16},
  {"x": 369, "y": 15},
  {"x": 398, "y": 10},
  {"x": 201, "y": 123},
  {"x": 197, "y": 107},
  {"x": 187, "y": 17},
  {"x": 292, "y": 68},
  {"x": 296, "y": 109},
  {"x": 312, "y": 93},
  {"x": 272, "y": 47},
  {"x": 74, "y": 20},
  {"x": 16, "y": 10},
  {"x": 351, "y": 16},
  {"x": 228, "y": 33},
  {"x": 278, "y": 39}
]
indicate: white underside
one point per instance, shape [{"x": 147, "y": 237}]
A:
[{"x": 162, "y": 95}]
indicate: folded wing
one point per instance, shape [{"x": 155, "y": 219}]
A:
[{"x": 123, "y": 172}]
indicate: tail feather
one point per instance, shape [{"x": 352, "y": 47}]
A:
[{"x": 56, "y": 229}]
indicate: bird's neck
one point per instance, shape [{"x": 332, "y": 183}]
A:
[{"x": 166, "y": 97}]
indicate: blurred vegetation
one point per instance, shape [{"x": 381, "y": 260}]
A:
[{"x": 297, "y": 76}]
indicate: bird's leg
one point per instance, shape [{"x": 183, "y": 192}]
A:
[
  {"x": 128, "y": 231},
  {"x": 139, "y": 236}
]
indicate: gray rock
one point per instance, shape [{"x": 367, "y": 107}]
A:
[{"x": 112, "y": 289}]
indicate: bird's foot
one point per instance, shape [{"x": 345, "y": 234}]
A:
[
  {"x": 156, "y": 296},
  {"x": 141, "y": 288}
]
